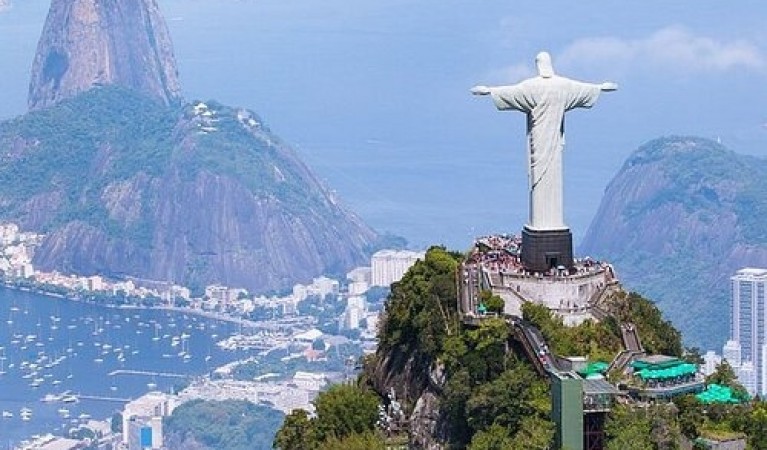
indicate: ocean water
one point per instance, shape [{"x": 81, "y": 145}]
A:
[{"x": 81, "y": 349}]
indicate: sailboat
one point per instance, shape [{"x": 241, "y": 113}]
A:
[
  {"x": 26, "y": 414},
  {"x": 2, "y": 361}
]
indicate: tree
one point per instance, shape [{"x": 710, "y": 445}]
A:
[
  {"x": 725, "y": 376},
  {"x": 495, "y": 304},
  {"x": 296, "y": 432},
  {"x": 356, "y": 441},
  {"x": 627, "y": 429},
  {"x": 343, "y": 410},
  {"x": 690, "y": 415},
  {"x": 535, "y": 433},
  {"x": 756, "y": 426},
  {"x": 494, "y": 438},
  {"x": 505, "y": 401},
  {"x": 486, "y": 358},
  {"x": 223, "y": 425},
  {"x": 665, "y": 434},
  {"x": 455, "y": 395}
]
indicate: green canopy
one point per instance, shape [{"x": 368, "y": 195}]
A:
[
  {"x": 671, "y": 372},
  {"x": 594, "y": 368},
  {"x": 716, "y": 393}
]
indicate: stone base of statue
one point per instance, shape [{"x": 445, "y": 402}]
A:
[{"x": 546, "y": 249}]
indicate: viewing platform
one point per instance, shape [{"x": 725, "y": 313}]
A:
[{"x": 494, "y": 264}]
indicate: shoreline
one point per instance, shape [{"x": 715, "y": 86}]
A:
[{"x": 176, "y": 309}]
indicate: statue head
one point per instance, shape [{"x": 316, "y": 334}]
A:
[{"x": 543, "y": 62}]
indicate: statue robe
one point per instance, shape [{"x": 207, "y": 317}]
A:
[{"x": 545, "y": 101}]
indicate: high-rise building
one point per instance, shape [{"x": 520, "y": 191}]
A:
[
  {"x": 144, "y": 433},
  {"x": 747, "y": 376},
  {"x": 712, "y": 360},
  {"x": 151, "y": 405},
  {"x": 388, "y": 266},
  {"x": 748, "y": 322},
  {"x": 731, "y": 353}
]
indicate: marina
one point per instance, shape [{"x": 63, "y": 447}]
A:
[{"x": 63, "y": 362}]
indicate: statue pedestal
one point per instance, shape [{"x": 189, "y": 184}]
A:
[{"x": 544, "y": 249}]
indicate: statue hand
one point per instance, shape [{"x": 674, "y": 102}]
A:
[
  {"x": 609, "y": 86},
  {"x": 480, "y": 90}
]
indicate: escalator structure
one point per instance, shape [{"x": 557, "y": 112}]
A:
[{"x": 632, "y": 348}]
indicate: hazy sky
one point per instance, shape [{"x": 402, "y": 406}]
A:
[{"x": 375, "y": 94}]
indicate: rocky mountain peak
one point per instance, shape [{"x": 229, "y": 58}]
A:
[
  {"x": 682, "y": 215},
  {"x": 87, "y": 43}
]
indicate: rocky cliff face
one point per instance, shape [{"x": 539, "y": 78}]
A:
[
  {"x": 197, "y": 194},
  {"x": 678, "y": 219},
  {"x": 87, "y": 43}
]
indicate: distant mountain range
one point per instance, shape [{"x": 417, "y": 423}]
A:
[
  {"x": 681, "y": 216},
  {"x": 127, "y": 178}
]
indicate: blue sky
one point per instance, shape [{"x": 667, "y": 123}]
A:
[{"x": 375, "y": 96}]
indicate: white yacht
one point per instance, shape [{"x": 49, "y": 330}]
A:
[{"x": 26, "y": 414}]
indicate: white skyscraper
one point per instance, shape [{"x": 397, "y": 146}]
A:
[
  {"x": 712, "y": 361},
  {"x": 388, "y": 266},
  {"x": 731, "y": 353},
  {"x": 748, "y": 323},
  {"x": 747, "y": 377}
]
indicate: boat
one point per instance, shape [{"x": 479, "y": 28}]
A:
[
  {"x": 50, "y": 398},
  {"x": 63, "y": 412},
  {"x": 7, "y": 414},
  {"x": 69, "y": 398},
  {"x": 26, "y": 414}
]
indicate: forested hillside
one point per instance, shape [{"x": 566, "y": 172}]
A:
[
  {"x": 677, "y": 221},
  {"x": 472, "y": 387}
]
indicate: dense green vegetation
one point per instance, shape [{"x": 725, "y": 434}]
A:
[
  {"x": 490, "y": 395},
  {"x": 421, "y": 310},
  {"x": 72, "y": 151},
  {"x": 221, "y": 425},
  {"x": 345, "y": 419}
]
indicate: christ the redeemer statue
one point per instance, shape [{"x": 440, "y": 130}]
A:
[{"x": 545, "y": 99}]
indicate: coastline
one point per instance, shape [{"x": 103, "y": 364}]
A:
[{"x": 193, "y": 311}]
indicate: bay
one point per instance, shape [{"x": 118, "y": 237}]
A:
[{"x": 98, "y": 354}]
